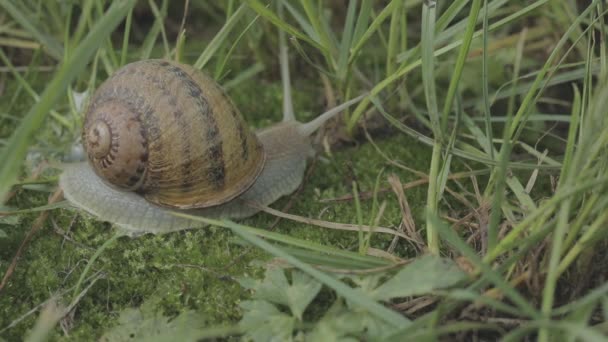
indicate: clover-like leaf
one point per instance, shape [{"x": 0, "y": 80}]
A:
[
  {"x": 422, "y": 276},
  {"x": 262, "y": 321},
  {"x": 275, "y": 288},
  {"x": 139, "y": 325},
  {"x": 343, "y": 324}
]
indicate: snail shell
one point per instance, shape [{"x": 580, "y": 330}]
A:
[
  {"x": 169, "y": 133},
  {"x": 137, "y": 114}
]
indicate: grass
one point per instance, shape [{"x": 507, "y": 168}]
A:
[{"x": 482, "y": 140}]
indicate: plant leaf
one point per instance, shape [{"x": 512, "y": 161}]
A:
[
  {"x": 422, "y": 276},
  {"x": 276, "y": 289},
  {"x": 344, "y": 324},
  {"x": 138, "y": 325},
  {"x": 262, "y": 321}
]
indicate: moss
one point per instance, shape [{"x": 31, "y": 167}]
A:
[{"x": 194, "y": 269}]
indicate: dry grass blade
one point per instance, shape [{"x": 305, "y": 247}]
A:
[{"x": 407, "y": 221}]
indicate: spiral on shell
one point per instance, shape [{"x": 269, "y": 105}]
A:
[{"x": 168, "y": 132}]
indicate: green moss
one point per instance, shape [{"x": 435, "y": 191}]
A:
[{"x": 195, "y": 269}]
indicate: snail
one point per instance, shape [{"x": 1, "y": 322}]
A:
[{"x": 161, "y": 136}]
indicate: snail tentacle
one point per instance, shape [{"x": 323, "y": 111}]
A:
[
  {"x": 306, "y": 129},
  {"x": 288, "y": 112}
]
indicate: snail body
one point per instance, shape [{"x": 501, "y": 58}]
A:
[{"x": 162, "y": 136}]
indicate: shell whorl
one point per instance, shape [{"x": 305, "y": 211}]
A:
[{"x": 168, "y": 132}]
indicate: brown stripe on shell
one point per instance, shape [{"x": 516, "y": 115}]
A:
[
  {"x": 241, "y": 128},
  {"x": 185, "y": 150},
  {"x": 215, "y": 171}
]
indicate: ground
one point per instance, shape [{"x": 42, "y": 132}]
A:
[{"x": 196, "y": 269}]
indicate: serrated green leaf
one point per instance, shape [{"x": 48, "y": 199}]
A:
[
  {"x": 276, "y": 289},
  {"x": 137, "y": 325},
  {"x": 344, "y": 324},
  {"x": 302, "y": 291},
  {"x": 422, "y": 276},
  {"x": 272, "y": 288},
  {"x": 262, "y": 321}
]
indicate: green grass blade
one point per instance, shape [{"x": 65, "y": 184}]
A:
[
  {"x": 14, "y": 153},
  {"x": 373, "y": 27},
  {"x": 219, "y": 38},
  {"x": 452, "y": 238},
  {"x": 353, "y": 295},
  {"x": 264, "y": 12},
  {"x": 524, "y": 109},
  {"x": 484, "y": 82},
  {"x": 461, "y": 59},
  {"x": 52, "y": 46},
  {"x": 345, "y": 44},
  {"x": 302, "y": 244}
]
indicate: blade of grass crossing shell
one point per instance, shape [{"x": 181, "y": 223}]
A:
[
  {"x": 14, "y": 153},
  {"x": 355, "y": 296}
]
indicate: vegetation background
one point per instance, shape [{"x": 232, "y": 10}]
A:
[{"x": 464, "y": 198}]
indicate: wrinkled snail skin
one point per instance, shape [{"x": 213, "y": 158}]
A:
[
  {"x": 161, "y": 136},
  {"x": 133, "y": 215}
]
